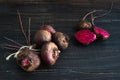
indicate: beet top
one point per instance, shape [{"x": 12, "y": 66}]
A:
[
  {"x": 48, "y": 28},
  {"x": 84, "y": 24},
  {"x": 85, "y": 36}
]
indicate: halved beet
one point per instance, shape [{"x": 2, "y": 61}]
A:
[
  {"x": 101, "y": 33},
  {"x": 85, "y": 36}
]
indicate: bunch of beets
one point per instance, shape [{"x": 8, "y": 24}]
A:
[
  {"x": 47, "y": 47},
  {"x": 50, "y": 43},
  {"x": 89, "y": 32}
]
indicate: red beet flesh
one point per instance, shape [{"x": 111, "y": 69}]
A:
[
  {"x": 25, "y": 62},
  {"x": 48, "y": 28},
  {"x": 103, "y": 34},
  {"x": 85, "y": 36}
]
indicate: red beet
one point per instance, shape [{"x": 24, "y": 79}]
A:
[
  {"x": 42, "y": 36},
  {"x": 84, "y": 24},
  {"x": 50, "y": 53},
  {"x": 48, "y": 28},
  {"x": 85, "y": 36},
  {"x": 101, "y": 33},
  {"x": 61, "y": 39},
  {"x": 28, "y": 59}
]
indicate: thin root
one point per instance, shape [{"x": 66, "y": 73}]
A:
[
  {"x": 21, "y": 26},
  {"x": 9, "y": 48},
  {"x": 14, "y": 46},
  {"x": 95, "y": 17},
  {"x": 88, "y": 14},
  {"x": 18, "y": 51},
  {"x": 13, "y": 41},
  {"x": 29, "y": 31}
]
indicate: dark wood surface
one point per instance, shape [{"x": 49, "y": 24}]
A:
[{"x": 97, "y": 61}]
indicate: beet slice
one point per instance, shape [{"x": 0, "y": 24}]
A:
[
  {"x": 101, "y": 33},
  {"x": 85, "y": 36}
]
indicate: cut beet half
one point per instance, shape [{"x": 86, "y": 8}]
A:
[
  {"x": 85, "y": 36},
  {"x": 101, "y": 33}
]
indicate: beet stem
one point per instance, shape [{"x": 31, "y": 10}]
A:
[
  {"x": 12, "y": 46},
  {"x": 13, "y": 41},
  {"x": 30, "y": 47},
  {"x": 21, "y": 26},
  {"x": 92, "y": 20},
  {"x": 6, "y": 47},
  {"x": 29, "y": 31},
  {"x": 95, "y": 17},
  {"x": 88, "y": 14}
]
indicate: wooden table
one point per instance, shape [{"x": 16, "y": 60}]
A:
[{"x": 98, "y": 61}]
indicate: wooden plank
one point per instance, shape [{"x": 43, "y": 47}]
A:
[
  {"x": 97, "y": 61},
  {"x": 54, "y": 1}
]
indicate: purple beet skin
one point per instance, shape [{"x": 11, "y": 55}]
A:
[
  {"x": 50, "y": 53},
  {"x": 48, "y": 28},
  {"x": 41, "y": 37}
]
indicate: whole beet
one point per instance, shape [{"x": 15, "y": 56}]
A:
[
  {"x": 48, "y": 28},
  {"x": 42, "y": 36},
  {"x": 61, "y": 39},
  {"x": 28, "y": 60},
  {"x": 50, "y": 53}
]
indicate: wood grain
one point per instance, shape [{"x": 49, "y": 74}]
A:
[
  {"x": 97, "y": 61},
  {"x": 55, "y": 1}
]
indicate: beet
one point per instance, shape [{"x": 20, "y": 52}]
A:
[
  {"x": 101, "y": 33},
  {"x": 42, "y": 36},
  {"x": 26, "y": 56},
  {"x": 50, "y": 53},
  {"x": 48, "y": 28},
  {"x": 85, "y": 36},
  {"x": 84, "y": 24},
  {"x": 61, "y": 39},
  {"x": 28, "y": 60}
]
